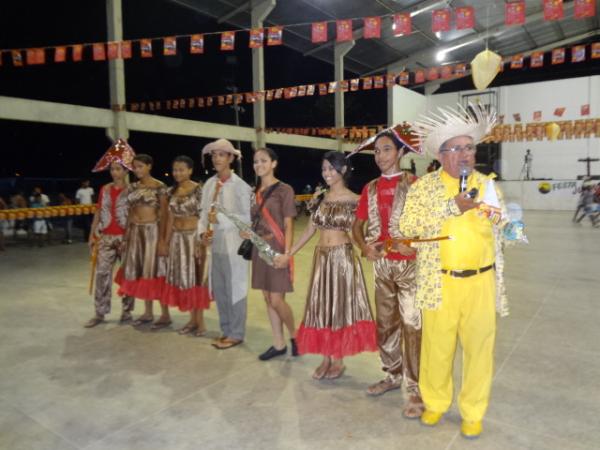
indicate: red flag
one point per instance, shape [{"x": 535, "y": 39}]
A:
[
  {"x": 319, "y": 32},
  {"x": 419, "y": 76},
  {"x": 227, "y": 40},
  {"x": 170, "y": 46},
  {"x": 516, "y": 62},
  {"x": 585, "y": 110},
  {"x": 77, "y": 52},
  {"x": 146, "y": 48},
  {"x": 354, "y": 83},
  {"x": 367, "y": 83},
  {"x": 239, "y": 98},
  {"x": 378, "y": 81},
  {"x": 558, "y": 56},
  {"x": 537, "y": 59},
  {"x": 112, "y": 50},
  {"x": 60, "y": 54},
  {"x": 310, "y": 89},
  {"x": 332, "y": 87},
  {"x": 440, "y": 20},
  {"x": 322, "y": 89},
  {"x": 372, "y": 27},
  {"x": 126, "y": 49},
  {"x": 537, "y": 116},
  {"x": 517, "y": 117},
  {"x": 343, "y": 30},
  {"x": 585, "y": 8},
  {"x": 302, "y": 90},
  {"x": 275, "y": 35},
  {"x": 402, "y": 24},
  {"x": 390, "y": 79},
  {"x": 404, "y": 78},
  {"x": 229, "y": 99},
  {"x": 465, "y": 17},
  {"x": 278, "y": 93},
  {"x": 577, "y": 53},
  {"x": 514, "y": 13},
  {"x": 559, "y": 111},
  {"x": 460, "y": 70},
  {"x": 446, "y": 72},
  {"x": 595, "y": 51},
  {"x": 99, "y": 52},
  {"x": 36, "y": 56},
  {"x": 221, "y": 100},
  {"x": 553, "y": 10},
  {"x": 344, "y": 85},
  {"x": 257, "y": 36},
  {"x": 432, "y": 74},
  {"x": 209, "y": 101},
  {"x": 197, "y": 44}
]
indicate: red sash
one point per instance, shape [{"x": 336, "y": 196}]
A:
[{"x": 277, "y": 232}]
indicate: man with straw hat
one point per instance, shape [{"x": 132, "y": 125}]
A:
[
  {"x": 460, "y": 280},
  {"x": 228, "y": 272}
]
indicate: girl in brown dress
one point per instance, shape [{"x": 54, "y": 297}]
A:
[
  {"x": 186, "y": 282},
  {"x": 273, "y": 213},
  {"x": 337, "y": 320},
  {"x": 142, "y": 273}
]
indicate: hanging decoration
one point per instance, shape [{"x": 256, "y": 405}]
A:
[
  {"x": 514, "y": 13},
  {"x": 484, "y": 68}
]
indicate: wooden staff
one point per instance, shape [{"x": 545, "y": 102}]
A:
[
  {"x": 213, "y": 209},
  {"x": 94, "y": 260},
  {"x": 389, "y": 243}
]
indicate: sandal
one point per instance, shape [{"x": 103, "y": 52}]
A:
[
  {"x": 187, "y": 329},
  {"x": 335, "y": 372},
  {"x": 321, "y": 371},
  {"x": 160, "y": 325},
  {"x": 125, "y": 317},
  {"x": 414, "y": 407},
  {"x": 93, "y": 322},
  {"x": 142, "y": 321},
  {"x": 227, "y": 343},
  {"x": 200, "y": 332}
]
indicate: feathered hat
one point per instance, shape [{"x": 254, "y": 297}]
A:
[
  {"x": 120, "y": 152},
  {"x": 435, "y": 129},
  {"x": 403, "y": 134}
]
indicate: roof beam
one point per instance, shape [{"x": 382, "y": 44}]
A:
[{"x": 242, "y": 8}]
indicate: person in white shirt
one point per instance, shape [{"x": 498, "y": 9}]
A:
[{"x": 84, "y": 196}]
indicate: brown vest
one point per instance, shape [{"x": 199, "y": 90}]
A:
[{"x": 374, "y": 223}]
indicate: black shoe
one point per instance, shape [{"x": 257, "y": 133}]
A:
[
  {"x": 272, "y": 352},
  {"x": 294, "y": 347}
]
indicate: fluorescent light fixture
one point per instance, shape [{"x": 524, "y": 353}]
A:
[
  {"x": 440, "y": 56},
  {"x": 427, "y": 8}
]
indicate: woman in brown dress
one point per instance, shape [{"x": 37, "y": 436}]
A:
[
  {"x": 142, "y": 273},
  {"x": 273, "y": 213},
  {"x": 186, "y": 282},
  {"x": 337, "y": 320}
]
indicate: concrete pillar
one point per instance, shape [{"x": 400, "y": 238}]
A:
[
  {"x": 116, "y": 71},
  {"x": 339, "y": 51},
  {"x": 260, "y": 10}
]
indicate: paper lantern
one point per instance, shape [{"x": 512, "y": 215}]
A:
[
  {"x": 552, "y": 131},
  {"x": 484, "y": 68}
]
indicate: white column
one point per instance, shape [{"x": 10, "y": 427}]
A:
[
  {"x": 260, "y": 10},
  {"x": 116, "y": 71},
  {"x": 339, "y": 51}
]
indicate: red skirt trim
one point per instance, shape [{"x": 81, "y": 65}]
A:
[
  {"x": 347, "y": 341},
  {"x": 142, "y": 288},
  {"x": 197, "y": 297}
]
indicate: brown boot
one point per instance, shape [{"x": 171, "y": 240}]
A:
[
  {"x": 385, "y": 385},
  {"x": 414, "y": 407}
]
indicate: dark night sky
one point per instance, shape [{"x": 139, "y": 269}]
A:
[{"x": 56, "y": 151}]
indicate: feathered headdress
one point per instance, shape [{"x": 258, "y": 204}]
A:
[
  {"x": 120, "y": 152},
  {"x": 432, "y": 131}
]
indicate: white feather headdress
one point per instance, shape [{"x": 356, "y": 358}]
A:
[{"x": 437, "y": 128}]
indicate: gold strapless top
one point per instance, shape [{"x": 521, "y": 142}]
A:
[
  {"x": 335, "y": 215},
  {"x": 145, "y": 196},
  {"x": 187, "y": 205}
]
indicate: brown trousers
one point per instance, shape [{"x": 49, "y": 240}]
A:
[
  {"x": 398, "y": 320},
  {"x": 108, "y": 253}
]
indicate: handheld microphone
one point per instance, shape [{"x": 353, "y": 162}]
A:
[{"x": 464, "y": 174}]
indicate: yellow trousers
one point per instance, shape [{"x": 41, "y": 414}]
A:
[{"x": 468, "y": 311}]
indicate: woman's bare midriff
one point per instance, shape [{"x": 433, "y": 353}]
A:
[
  {"x": 185, "y": 223},
  {"x": 142, "y": 214},
  {"x": 333, "y": 238}
]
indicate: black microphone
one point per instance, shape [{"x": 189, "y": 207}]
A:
[{"x": 465, "y": 171}]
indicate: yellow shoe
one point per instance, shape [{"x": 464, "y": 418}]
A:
[
  {"x": 471, "y": 430},
  {"x": 431, "y": 418}
]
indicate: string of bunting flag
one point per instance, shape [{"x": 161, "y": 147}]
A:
[
  {"x": 442, "y": 20},
  {"x": 405, "y": 78}
]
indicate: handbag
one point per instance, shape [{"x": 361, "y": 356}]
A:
[{"x": 245, "y": 249}]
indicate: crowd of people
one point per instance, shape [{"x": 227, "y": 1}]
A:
[{"x": 437, "y": 256}]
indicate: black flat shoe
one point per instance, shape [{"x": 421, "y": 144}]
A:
[
  {"x": 294, "y": 347},
  {"x": 272, "y": 352}
]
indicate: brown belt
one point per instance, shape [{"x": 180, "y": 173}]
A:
[{"x": 468, "y": 272}]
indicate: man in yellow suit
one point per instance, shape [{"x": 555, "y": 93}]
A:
[{"x": 459, "y": 280}]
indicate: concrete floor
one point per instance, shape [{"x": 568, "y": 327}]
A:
[{"x": 114, "y": 387}]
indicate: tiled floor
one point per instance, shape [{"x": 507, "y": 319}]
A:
[{"x": 114, "y": 387}]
